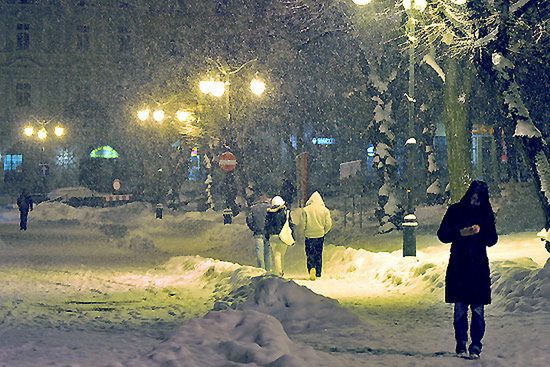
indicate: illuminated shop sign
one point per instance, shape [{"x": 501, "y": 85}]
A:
[{"x": 323, "y": 141}]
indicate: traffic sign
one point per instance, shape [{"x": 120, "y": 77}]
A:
[
  {"x": 228, "y": 161},
  {"x": 116, "y": 184}
]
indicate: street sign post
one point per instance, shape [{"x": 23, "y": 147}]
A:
[{"x": 227, "y": 161}]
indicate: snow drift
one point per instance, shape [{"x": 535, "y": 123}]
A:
[{"x": 232, "y": 338}]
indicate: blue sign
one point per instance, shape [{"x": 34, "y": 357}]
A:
[{"x": 323, "y": 141}]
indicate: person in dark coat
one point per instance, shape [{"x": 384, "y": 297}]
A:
[
  {"x": 24, "y": 203},
  {"x": 288, "y": 191},
  {"x": 469, "y": 226},
  {"x": 255, "y": 220}
]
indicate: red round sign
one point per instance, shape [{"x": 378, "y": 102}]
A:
[{"x": 228, "y": 161}]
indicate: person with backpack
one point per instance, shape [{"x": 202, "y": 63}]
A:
[
  {"x": 316, "y": 222},
  {"x": 25, "y": 204},
  {"x": 277, "y": 216},
  {"x": 469, "y": 226},
  {"x": 255, "y": 220}
]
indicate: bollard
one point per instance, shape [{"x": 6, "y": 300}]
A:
[
  {"x": 227, "y": 216},
  {"x": 409, "y": 238},
  {"x": 159, "y": 211}
]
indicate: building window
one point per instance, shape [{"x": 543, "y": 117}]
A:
[
  {"x": 23, "y": 36},
  {"x": 12, "y": 161},
  {"x": 23, "y": 95},
  {"x": 82, "y": 38},
  {"x": 124, "y": 39},
  {"x": 65, "y": 158}
]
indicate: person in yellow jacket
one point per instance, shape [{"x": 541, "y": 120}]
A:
[{"x": 316, "y": 222}]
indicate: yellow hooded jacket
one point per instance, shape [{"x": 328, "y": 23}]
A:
[{"x": 316, "y": 218}]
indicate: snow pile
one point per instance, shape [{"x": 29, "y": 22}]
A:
[
  {"x": 378, "y": 272},
  {"x": 182, "y": 271},
  {"x": 56, "y": 211},
  {"x": 521, "y": 285},
  {"x": 296, "y": 307},
  {"x": 232, "y": 338},
  {"x": 72, "y": 192}
]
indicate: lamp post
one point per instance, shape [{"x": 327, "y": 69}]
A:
[
  {"x": 218, "y": 88},
  {"x": 39, "y": 130},
  {"x": 413, "y": 9}
]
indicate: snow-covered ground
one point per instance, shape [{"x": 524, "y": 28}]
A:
[{"x": 114, "y": 287}]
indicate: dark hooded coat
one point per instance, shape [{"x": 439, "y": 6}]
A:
[{"x": 468, "y": 276}]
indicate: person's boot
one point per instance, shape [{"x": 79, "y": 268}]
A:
[{"x": 312, "y": 274}]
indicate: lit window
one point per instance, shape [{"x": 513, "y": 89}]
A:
[
  {"x": 65, "y": 158},
  {"x": 23, "y": 95},
  {"x": 82, "y": 38},
  {"x": 23, "y": 36},
  {"x": 12, "y": 161},
  {"x": 124, "y": 39}
]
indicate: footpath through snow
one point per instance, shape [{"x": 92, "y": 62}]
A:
[{"x": 226, "y": 314}]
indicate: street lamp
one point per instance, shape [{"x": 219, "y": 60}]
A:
[
  {"x": 158, "y": 115},
  {"x": 257, "y": 86},
  {"x": 413, "y": 8},
  {"x": 143, "y": 114}
]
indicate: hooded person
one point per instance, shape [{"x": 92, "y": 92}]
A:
[
  {"x": 275, "y": 219},
  {"x": 24, "y": 203},
  {"x": 316, "y": 222},
  {"x": 469, "y": 226},
  {"x": 255, "y": 220}
]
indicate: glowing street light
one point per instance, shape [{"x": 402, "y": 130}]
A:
[
  {"x": 158, "y": 115},
  {"x": 143, "y": 114},
  {"x": 42, "y": 134},
  {"x": 59, "y": 131},
  {"x": 205, "y": 86},
  {"x": 183, "y": 115},
  {"x": 257, "y": 86},
  {"x": 28, "y": 131},
  {"x": 217, "y": 89}
]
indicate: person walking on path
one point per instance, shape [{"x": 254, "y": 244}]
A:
[
  {"x": 275, "y": 219},
  {"x": 255, "y": 220},
  {"x": 24, "y": 203},
  {"x": 469, "y": 226},
  {"x": 316, "y": 222}
]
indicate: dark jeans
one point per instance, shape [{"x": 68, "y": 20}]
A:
[
  {"x": 477, "y": 327},
  {"x": 314, "y": 254},
  {"x": 23, "y": 220}
]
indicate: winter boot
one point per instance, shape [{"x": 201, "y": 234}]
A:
[{"x": 312, "y": 274}]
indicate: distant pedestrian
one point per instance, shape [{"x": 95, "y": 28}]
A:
[
  {"x": 316, "y": 222},
  {"x": 275, "y": 219},
  {"x": 469, "y": 226},
  {"x": 288, "y": 191},
  {"x": 255, "y": 220},
  {"x": 24, "y": 203}
]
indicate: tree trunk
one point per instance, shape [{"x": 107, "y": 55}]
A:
[{"x": 457, "y": 129}]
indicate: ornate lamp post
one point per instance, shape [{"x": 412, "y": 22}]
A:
[{"x": 413, "y": 9}]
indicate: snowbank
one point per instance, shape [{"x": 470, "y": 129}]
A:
[
  {"x": 298, "y": 308},
  {"x": 232, "y": 338},
  {"x": 520, "y": 285},
  {"x": 56, "y": 211}
]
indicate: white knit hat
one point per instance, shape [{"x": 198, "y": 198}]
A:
[{"x": 277, "y": 201}]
